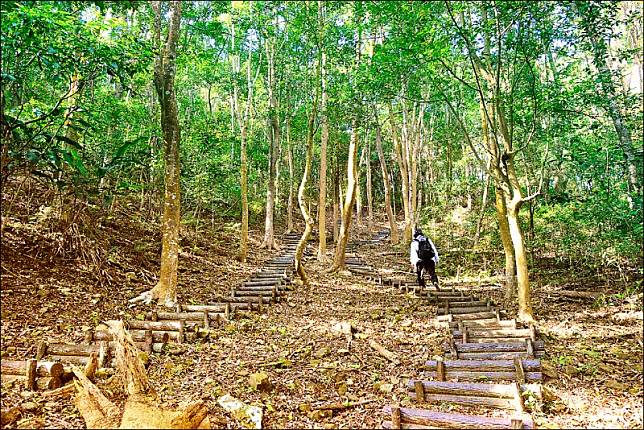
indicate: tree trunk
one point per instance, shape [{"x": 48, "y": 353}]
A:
[
  {"x": 274, "y": 143},
  {"x": 523, "y": 283},
  {"x": 600, "y": 52},
  {"x": 324, "y": 138},
  {"x": 386, "y": 185},
  {"x": 369, "y": 185},
  {"x": 479, "y": 223},
  {"x": 164, "y": 72},
  {"x": 506, "y": 240},
  {"x": 350, "y": 197},
  {"x": 308, "y": 219},
  {"x": 404, "y": 176},
  {"x": 359, "y": 190},
  {"x": 243, "y": 244},
  {"x": 291, "y": 174},
  {"x": 336, "y": 200},
  {"x": 243, "y": 125}
]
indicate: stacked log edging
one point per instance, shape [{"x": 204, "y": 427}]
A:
[
  {"x": 52, "y": 366},
  {"x": 489, "y": 362}
]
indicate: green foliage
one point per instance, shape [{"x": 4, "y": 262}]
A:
[{"x": 104, "y": 140}]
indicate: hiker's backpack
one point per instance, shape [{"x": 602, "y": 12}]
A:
[{"x": 425, "y": 251}]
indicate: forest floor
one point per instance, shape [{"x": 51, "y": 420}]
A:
[{"x": 593, "y": 357}]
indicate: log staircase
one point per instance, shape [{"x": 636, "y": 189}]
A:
[
  {"x": 488, "y": 363},
  {"x": 160, "y": 330}
]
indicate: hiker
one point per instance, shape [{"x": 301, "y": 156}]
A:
[{"x": 423, "y": 257}]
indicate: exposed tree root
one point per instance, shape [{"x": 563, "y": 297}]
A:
[{"x": 141, "y": 408}]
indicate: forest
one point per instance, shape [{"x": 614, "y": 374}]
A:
[{"x": 208, "y": 208}]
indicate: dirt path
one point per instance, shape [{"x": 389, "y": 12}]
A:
[{"x": 311, "y": 365}]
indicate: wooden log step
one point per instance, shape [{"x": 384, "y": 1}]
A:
[
  {"x": 261, "y": 290},
  {"x": 272, "y": 272},
  {"x": 481, "y": 376},
  {"x": 263, "y": 282},
  {"x": 271, "y": 275},
  {"x": 71, "y": 349},
  {"x": 197, "y": 316},
  {"x": 247, "y": 295},
  {"x": 411, "y": 418},
  {"x": 522, "y": 333},
  {"x": 485, "y": 323},
  {"x": 79, "y": 360},
  {"x": 244, "y": 300},
  {"x": 140, "y": 336},
  {"x": 485, "y": 365},
  {"x": 438, "y": 295},
  {"x": 499, "y": 347},
  {"x": 166, "y": 325},
  {"x": 43, "y": 368},
  {"x": 495, "y": 351},
  {"x": 280, "y": 290},
  {"x": 487, "y": 402},
  {"x": 497, "y": 355},
  {"x": 265, "y": 278},
  {"x": 224, "y": 309},
  {"x": 489, "y": 339},
  {"x": 468, "y": 303},
  {"x": 288, "y": 270},
  {"x": 499, "y": 391},
  {"x": 258, "y": 291},
  {"x": 467, "y": 310},
  {"x": 467, "y": 316}
]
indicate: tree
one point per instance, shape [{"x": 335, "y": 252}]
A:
[
  {"x": 274, "y": 138},
  {"x": 385, "y": 181},
  {"x": 352, "y": 165},
  {"x": 164, "y": 73},
  {"x": 324, "y": 139}
]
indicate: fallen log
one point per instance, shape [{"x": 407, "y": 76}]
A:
[
  {"x": 409, "y": 418},
  {"x": 141, "y": 407},
  {"x": 43, "y": 368}
]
